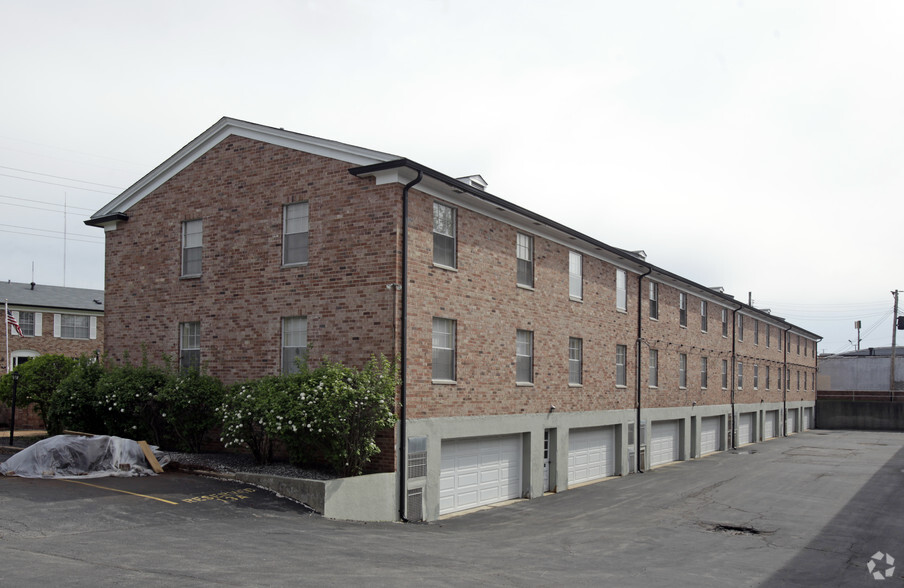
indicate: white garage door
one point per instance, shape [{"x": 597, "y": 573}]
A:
[
  {"x": 770, "y": 424},
  {"x": 478, "y": 471},
  {"x": 664, "y": 446},
  {"x": 710, "y": 434},
  {"x": 791, "y": 423},
  {"x": 745, "y": 428},
  {"x": 591, "y": 454},
  {"x": 808, "y": 418}
]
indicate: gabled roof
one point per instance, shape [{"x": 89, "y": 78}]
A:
[
  {"x": 52, "y": 297},
  {"x": 115, "y": 210}
]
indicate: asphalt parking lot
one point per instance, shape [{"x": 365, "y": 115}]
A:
[{"x": 809, "y": 510}]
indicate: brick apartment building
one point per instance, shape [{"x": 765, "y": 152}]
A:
[
  {"x": 53, "y": 319},
  {"x": 520, "y": 338}
]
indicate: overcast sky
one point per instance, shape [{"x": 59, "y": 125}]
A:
[{"x": 756, "y": 146}]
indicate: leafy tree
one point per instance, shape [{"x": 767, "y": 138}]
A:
[
  {"x": 74, "y": 404},
  {"x": 39, "y": 378}
]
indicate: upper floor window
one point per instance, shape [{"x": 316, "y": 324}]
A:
[
  {"x": 798, "y": 347},
  {"x": 27, "y": 323},
  {"x": 756, "y": 376},
  {"x": 443, "y": 235},
  {"x": 190, "y": 346},
  {"x": 575, "y": 361},
  {"x": 806, "y": 348},
  {"x": 525, "y": 252},
  {"x": 704, "y": 316},
  {"x": 682, "y": 309},
  {"x": 740, "y": 327},
  {"x": 621, "y": 290},
  {"x": 725, "y": 374},
  {"x": 295, "y": 233},
  {"x": 768, "y": 377},
  {"x": 654, "y": 300},
  {"x": 654, "y": 368},
  {"x": 443, "y": 349},
  {"x": 191, "y": 247},
  {"x": 524, "y": 357},
  {"x": 682, "y": 370},
  {"x": 704, "y": 372},
  {"x": 75, "y": 326},
  {"x": 740, "y": 375},
  {"x": 724, "y": 322},
  {"x": 768, "y": 335},
  {"x": 294, "y": 342},
  {"x": 621, "y": 358},
  {"x": 756, "y": 332},
  {"x": 781, "y": 336},
  {"x": 575, "y": 275}
]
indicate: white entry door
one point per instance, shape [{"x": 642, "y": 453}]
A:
[
  {"x": 665, "y": 443},
  {"x": 478, "y": 471},
  {"x": 591, "y": 454},
  {"x": 745, "y": 428},
  {"x": 710, "y": 434}
]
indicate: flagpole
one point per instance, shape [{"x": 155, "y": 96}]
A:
[{"x": 6, "y": 329}]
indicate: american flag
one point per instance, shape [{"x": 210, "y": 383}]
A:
[{"x": 12, "y": 320}]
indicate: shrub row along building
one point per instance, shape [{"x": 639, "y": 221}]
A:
[{"x": 534, "y": 357}]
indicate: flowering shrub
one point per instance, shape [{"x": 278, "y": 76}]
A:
[
  {"x": 187, "y": 404},
  {"x": 246, "y": 416},
  {"x": 74, "y": 404},
  {"x": 129, "y": 403}
]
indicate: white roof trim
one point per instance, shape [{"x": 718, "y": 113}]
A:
[{"x": 224, "y": 128}]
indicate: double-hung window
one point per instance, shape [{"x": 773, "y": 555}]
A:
[
  {"x": 756, "y": 376},
  {"x": 740, "y": 375},
  {"x": 192, "y": 232},
  {"x": 725, "y": 322},
  {"x": 27, "y": 323},
  {"x": 682, "y": 309},
  {"x": 575, "y": 361},
  {"x": 740, "y": 327},
  {"x": 682, "y": 370},
  {"x": 443, "y": 350},
  {"x": 524, "y": 357},
  {"x": 575, "y": 275},
  {"x": 621, "y": 290},
  {"x": 294, "y": 342},
  {"x": 756, "y": 332},
  {"x": 704, "y": 314},
  {"x": 75, "y": 326},
  {"x": 525, "y": 254},
  {"x": 654, "y": 368},
  {"x": 621, "y": 358},
  {"x": 295, "y": 233},
  {"x": 704, "y": 372},
  {"x": 767, "y": 377},
  {"x": 725, "y": 374},
  {"x": 190, "y": 346},
  {"x": 443, "y": 235},
  {"x": 768, "y": 335},
  {"x": 654, "y": 300}
]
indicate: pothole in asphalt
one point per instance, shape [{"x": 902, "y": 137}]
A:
[{"x": 736, "y": 529}]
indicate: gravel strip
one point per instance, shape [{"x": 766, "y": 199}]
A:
[{"x": 235, "y": 462}]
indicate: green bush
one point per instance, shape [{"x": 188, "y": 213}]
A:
[
  {"x": 128, "y": 400},
  {"x": 187, "y": 405},
  {"x": 246, "y": 414},
  {"x": 38, "y": 380},
  {"x": 74, "y": 404}
]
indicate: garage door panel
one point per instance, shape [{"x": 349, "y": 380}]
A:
[
  {"x": 710, "y": 434},
  {"x": 745, "y": 428},
  {"x": 479, "y": 471},
  {"x": 591, "y": 454},
  {"x": 665, "y": 443}
]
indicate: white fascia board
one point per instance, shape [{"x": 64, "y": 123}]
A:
[{"x": 223, "y": 129}]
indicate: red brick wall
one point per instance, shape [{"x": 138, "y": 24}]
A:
[{"x": 239, "y": 188}]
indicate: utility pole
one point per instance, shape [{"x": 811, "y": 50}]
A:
[
  {"x": 857, "y": 326},
  {"x": 894, "y": 337}
]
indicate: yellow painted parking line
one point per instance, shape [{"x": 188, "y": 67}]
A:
[{"x": 117, "y": 490}]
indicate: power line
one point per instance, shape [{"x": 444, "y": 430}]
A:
[
  {"x": 58, "y": 184},
  {"x": 50, "y": 237},
  {"x": 45, "y": 202},
  {"x": 60, "y": 177},
  {"x": 52, "y": 231}
]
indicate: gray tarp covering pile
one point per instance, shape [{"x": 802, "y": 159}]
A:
[{"x": 74, "y": 456}]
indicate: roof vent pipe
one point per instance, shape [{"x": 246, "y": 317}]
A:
[{"x": 32, "y": 285}]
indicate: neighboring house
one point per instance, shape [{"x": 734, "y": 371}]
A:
[
  {"x": 53, "y": 319},
  {"x": 534, "y": 357}
]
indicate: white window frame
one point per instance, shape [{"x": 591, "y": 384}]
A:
[
  {"x": 740, "y": 327},
  {"x": 740, "y": 375},
  {"x": 443, "y": 366},
  {"x": 524, "y": 357},
  {"x": 70, "y": 330},
  {"x": 296, "y": 233},
  {"x": 294, "y": 343},
  {"x": 575, "y": 275},
  {"x": 575, "y": 361},
  {"x": 725, "y": 374},
  {"x": 704, "y": 316},
  {"x": 704, "y": 372},
  {"x": 756, "y": 376},
  {"x": 524, "y": 252},
  {"x": 756, "y": 332},
  {"x": 653, "y": 374},
  {"x": 621, "y": 290},
  {"x": 621, "y": 366},
  {"x": 192, "y": 240},
  {"x": 725, "y": 322},
  {"x": 443, "y": 236},
  {"x": 682, "y": 370},
  {"x": 682, "y": 309},
  {"x": 654, "y": 301},
  {"x": 190, "y": 345}
]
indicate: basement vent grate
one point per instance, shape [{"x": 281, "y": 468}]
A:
[{"x": 415, "y": 510}]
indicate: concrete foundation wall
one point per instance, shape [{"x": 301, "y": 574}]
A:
[{"x": 864, "y": 416}]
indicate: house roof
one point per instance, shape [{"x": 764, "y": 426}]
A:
[
  {"x": 51, "y": 297},
  {"x": 387, "y": 168}
]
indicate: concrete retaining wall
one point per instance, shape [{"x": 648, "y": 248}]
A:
[{"x": 864, "y": 416}]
